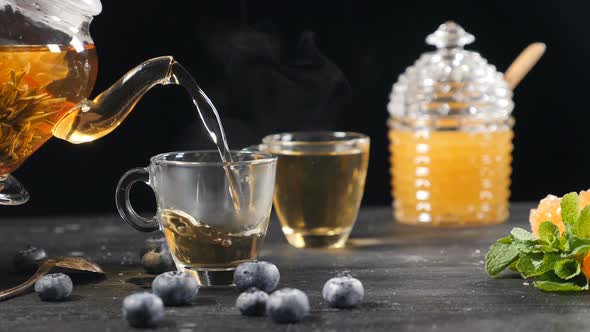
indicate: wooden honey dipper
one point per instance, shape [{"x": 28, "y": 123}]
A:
[{"x": 523, "y": 64}]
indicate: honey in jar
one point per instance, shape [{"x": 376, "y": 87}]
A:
[{"x": 450, "y": 132}]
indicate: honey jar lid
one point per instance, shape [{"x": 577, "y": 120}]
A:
[{"x": 450, "y": 86}]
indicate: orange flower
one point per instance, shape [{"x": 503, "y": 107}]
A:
[
  {"x": 548, "y": 210},
  {"x": 586, "y": 266}
]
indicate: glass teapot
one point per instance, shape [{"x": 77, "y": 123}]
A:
[{"x": 48, "y": 67}]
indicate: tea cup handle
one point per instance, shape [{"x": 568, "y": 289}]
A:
[{"x": 124, "y": 204}]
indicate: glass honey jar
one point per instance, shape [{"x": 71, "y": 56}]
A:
[{"x": 450, "y": 132}]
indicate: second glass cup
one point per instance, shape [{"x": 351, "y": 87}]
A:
[
  {"x": 214, "y": 215},
  {"x": 319, "y": 186}
]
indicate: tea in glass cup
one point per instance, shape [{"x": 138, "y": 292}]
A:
[
  {"x": 195, "y": 192},
  {"x": 320, "y": 184}
]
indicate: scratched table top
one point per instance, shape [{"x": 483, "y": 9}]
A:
[{"x": 415, "y": 279}]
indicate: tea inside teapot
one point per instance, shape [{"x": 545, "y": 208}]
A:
[{"x": 38, "y": 86}]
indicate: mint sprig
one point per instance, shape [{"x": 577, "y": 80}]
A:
[{"x": 552, "y": 259}]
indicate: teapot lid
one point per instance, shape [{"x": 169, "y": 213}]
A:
[
  {"x": 87, "y": 7},
  {"x": 84, "y": 7},
  {"x": 450, "y": 83},
  {"x": 65, "y": 15}
]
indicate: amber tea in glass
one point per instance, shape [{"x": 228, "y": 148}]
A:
[
  {"x": 320, "y": 184},
  {"x": 197, "y": 245}
]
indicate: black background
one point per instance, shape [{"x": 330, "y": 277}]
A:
[{"x": 253, "y": 59}]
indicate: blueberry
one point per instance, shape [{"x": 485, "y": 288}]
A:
[
  {"x": 54, "y": 287},
  {"x": 28, "y": 260},
  {"x": 175, "y": 288},
  {"x": 158, "y": 260},
  {"x": 287, "y": 305},
  {"x": 262, "y": 275},
  {"x": 151, "y": 244},
  {"x": 343, "y": 292},
  {"x": 252, "y": 302},
  {"x": 143, "y": 309}
]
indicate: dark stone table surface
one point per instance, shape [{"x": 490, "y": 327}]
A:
[{"x": 415, "y": 278}]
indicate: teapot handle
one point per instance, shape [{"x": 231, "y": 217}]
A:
[{"x": 124, "y": 204}]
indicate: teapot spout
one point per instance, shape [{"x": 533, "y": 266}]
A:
[{"x": 92, "y": 119}]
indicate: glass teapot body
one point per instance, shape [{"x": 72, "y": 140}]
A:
[
  {"x": 48, "y": 67},
  {"x": 48, "y": 64}
]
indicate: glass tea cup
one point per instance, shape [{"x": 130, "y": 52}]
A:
[
  {"x": 320, "y": 184},
  {"x": 208, "y": 229}
]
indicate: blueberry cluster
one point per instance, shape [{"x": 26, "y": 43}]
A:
[
  {"x": 169, "y": 288},
  {"x": 256, "y": 279},
  {"x": 173, "y": 288},
  {"x": 50, "y": 287},
  {"x": 288, "y": 305}
]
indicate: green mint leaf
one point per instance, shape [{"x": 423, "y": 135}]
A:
[
  {"x": 546, "y": 248},
  {"x": 564, "y": 243},
  {"x": 532, "y": 265},
  {"x": 553, "y": 286},
  {"x": 570, "y": 209},
  {"x": 526, "y": 242},
  {"x": 522, "y": 235},
  {"x": 534, "y": 246},
  {"x": 548, "y": 232},
  {"x": 532, "y": 249},
  {"x": 527, "y": 265},
  {"x": 567, "y": 268},
  {"x": 582, "y": 226},
  {"x": 550, "y": 282},
  {"x": 549, "y": 276},
  {"x": 581, "y": 250},
  {"x": 499, "y": 257},
  {"x": 578, "y": 246},
  {"x": 505, "y": 240},
  {"x": 512, "y": 265}
]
